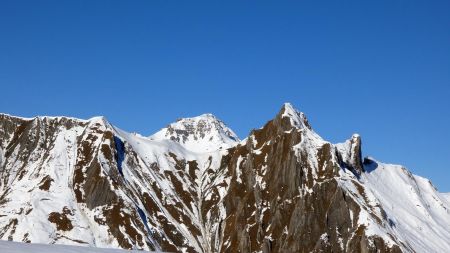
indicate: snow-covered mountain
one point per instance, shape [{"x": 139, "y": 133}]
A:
[
  {"x": 195, "y": 187},
  {"x": 204, "y": 133}
]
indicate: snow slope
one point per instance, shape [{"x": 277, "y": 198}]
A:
[
  {"x": 419, "y": 215},
  {"x": 446, "y": 196},
  {"x": 18, "y": 247}
]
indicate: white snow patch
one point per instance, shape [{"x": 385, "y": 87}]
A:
[{"x": 18, "y": 247}]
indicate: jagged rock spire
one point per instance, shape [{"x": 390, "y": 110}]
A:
[{"x": 351, "y": 154}]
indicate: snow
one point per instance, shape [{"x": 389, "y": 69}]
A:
[
  {"x": 446, "y": 196},
  {"x": 46, "y": 117},
  {"x": 156, "y": 149},
  {"x": 204, "y": 133},
  {"x": 310, "y": 142},
  {"x": 18, "y": 247},
  {"x": 239, "y": 169},
  {"x": 346, "y": 147},
  {"x": 420, "y": 215},
  {"x": 415, "y": 213},
  {"x": 298, "y": 119},
  {"x": 40, "y": 203},
  {"x": 12, "y": 116}
]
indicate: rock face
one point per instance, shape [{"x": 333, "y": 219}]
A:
[{"x": 195, "y": 187}]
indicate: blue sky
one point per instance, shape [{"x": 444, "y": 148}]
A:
[{"x": 378, "y": 68}]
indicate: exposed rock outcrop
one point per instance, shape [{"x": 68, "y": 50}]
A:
[{"x": 194, "y": 187}]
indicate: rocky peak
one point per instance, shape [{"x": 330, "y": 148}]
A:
[
  {"x": 290, "y": 117},
  {"x": 203, "y": 133},
  {"x": 287, "y": 119}
]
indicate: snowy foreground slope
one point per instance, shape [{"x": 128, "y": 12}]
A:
[
  {"x": 18, "y": 247},
  {"x": 195, "y": 187}
]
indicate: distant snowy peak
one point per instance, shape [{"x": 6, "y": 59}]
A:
[
  {"x": 204, "y": 133},
  {"x": 296, "y": 118}
]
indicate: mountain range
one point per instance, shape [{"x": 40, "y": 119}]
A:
[{"x": 194, "y": 186}]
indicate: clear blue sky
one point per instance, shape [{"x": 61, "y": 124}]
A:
[{"x": 378, "y": 68}]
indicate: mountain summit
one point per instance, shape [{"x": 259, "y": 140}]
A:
[
  {"x": 201, "y": 134},
  {"x": 194, "y": 187},
  {"x": 296, "y": 118}
]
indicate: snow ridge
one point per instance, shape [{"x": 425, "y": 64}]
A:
[{"x": 418, "y": 215}]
